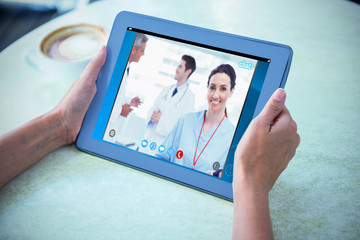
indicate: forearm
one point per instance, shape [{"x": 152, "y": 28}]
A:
[
  {"x": 26, "y": 145},
  {"x": 263, "y": 153},
  {"x": 251, "y": 213}
]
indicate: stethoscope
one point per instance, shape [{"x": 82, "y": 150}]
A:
[{"x": 179, "y": 100}]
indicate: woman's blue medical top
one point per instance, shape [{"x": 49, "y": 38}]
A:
[{"x": 184, "y": 137}]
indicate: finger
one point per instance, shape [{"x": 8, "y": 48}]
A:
[
  {"x": 285, "y": 119},
  {"x": 273, "y": 107},
  {"x": 291, "y": 150},
  {"x": 93, "y": 68}
]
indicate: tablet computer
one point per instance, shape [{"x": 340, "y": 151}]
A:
[{"x": 174, "y": 100}]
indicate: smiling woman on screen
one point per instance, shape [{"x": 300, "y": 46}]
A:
[{"x": 204, "y": 137}]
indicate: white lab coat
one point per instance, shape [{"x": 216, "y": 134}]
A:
[
  {"x": 172, "y": 108},
  {"x": 115, "y": 117}
]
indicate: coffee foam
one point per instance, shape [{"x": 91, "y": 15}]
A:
[
  {"x": 74, "y": 43},
  {"x": 77, "y": 46}
]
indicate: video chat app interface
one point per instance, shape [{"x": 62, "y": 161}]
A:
[{"x": 151, "y": 117}]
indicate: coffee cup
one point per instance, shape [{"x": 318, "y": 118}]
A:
[{"x": 65, "y": 52}]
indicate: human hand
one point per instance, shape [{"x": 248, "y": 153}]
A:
[
  {"x": 155, "y": 117},
  {"x": 126, "y": 109},
  {"x": 73, "y": 106},
  {"x": 210, "y": 172},
  {"x": 267, "y": 146},
  {"x": 24, "y": 146},
  {"x": 218, "y": 173},
  {"x": 135, "y": 102}
]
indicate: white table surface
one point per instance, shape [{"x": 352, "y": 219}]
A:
[{"x": 73, "y": 195}]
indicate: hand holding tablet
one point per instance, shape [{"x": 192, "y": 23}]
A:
[
  {"x": 263, "y": 153},
  {"x": 200, "y": 89},
  {"x": 26, "y": 145}
]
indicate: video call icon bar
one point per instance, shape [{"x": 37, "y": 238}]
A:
[{"x": 153, "y": 146}]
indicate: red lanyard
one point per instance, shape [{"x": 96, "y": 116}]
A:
[{"x": 195, "y": 161}]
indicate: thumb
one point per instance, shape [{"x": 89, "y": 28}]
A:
[
  {"x": 93, "y": 68},
  {"x": 274, "y": 106}
]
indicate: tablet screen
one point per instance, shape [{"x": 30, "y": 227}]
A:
[{"x": 179, "y": 101}]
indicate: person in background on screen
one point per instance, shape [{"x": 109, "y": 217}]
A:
[
  {"x": 264, "y": 151},
  {"x": 122, "y": 107},
  {"x": 173, "y": 102}
]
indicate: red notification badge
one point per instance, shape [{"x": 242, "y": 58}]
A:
[{"x": 179, "y": 154}]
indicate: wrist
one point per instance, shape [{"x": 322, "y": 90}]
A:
[
  {"x": 251, "y": 209},
  {"x": 56, "y": 124},
  {"x": 249, "y": 185},
  {"x": 250, "y": 191}
]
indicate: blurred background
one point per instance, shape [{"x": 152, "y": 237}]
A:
[
  {"x": 18, "y": 17},
  {"x": 317, "y": 197}
]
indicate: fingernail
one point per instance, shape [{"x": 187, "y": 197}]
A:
[{"x": 280, "y": 95}]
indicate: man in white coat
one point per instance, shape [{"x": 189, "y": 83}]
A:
[
  {"x": 123, "y": 106},
  {"x": 173, "y": 102},
  {"x": 137, "y": 51}
]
